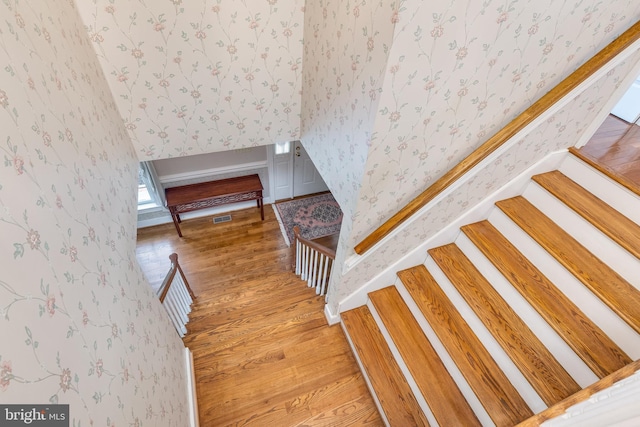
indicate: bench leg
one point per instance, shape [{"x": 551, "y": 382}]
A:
[
  {"x": 176, "y": 220},
  {"x": 261, "y": 203}
]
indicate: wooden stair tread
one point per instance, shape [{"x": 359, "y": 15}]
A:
[
  {"x": 609, "y": 286},
  {"x": 545, "y": 374},
  {"x": 494, "y": 390},
  {"x": 447, "y": 403},
  {"x": 589, "y": 342},
  {"x": 605, "y": 170},
  {"x": 617, "y": 227},
  {"x": 393, "y": 392}
]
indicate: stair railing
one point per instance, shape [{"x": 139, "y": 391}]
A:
[
  {"x": 313, "y": 262},
  {"x": 570, "y": 83},
  {"x": 176, "y": 296},
  {"x": 606, "y": 383}
]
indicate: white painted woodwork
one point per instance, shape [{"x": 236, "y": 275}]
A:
[
  {"x": 306, "y": 178},
  {"x": 177, "y": 303},
  {"x": 628, "y": 108},
  {"x": 529, "y": 395},
  {"x": 446, "y": 359},
  {"x": 601, "y": 186},
  {"x": 618, "y": 405},
  {"x": 194, "y": 420},
  {"x": 590, "y": 237},
  {"x": 403, "y": 366},
  {"x": 312, "y": 266},
  {"x": 621, "y": 333},
  {"x": 282, "y": 174}
]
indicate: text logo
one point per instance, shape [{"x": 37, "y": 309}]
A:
[{"x": 34, "y": 415}]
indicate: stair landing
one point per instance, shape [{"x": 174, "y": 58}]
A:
[{"x": 616, "y": 146}]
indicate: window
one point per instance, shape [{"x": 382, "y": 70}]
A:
[
  {"x": 145, "y": 199},
  {"x": 283, "y": 147}
]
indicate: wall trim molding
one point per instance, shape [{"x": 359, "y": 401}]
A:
[
  {"x": 166, "y": 218},
  {"x": 192, "y": 398},
  {"x": 332, "y": 319},
  {"x": 213, "y": 171}
]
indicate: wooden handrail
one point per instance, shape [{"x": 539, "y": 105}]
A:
[
  {"x": 584, "y": 394},
  {"x": 166, "y": 284},
  {"x": 625, "y": 40},
  {"x": 314, "y": 245}
]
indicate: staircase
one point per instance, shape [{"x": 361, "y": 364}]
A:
[{"x": 522, "y": 311}]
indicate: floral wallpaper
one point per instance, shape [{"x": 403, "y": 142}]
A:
[
  {"x": 458, "y": 72},
  {"x": 454, "y": 73},
  {"x": 79, "y": 323},
  {"x": 193, "y": 77},
  {"x": 561, "y": 131},
  {"x": 345, "y": 56}
]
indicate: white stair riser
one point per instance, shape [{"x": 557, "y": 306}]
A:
[
  {"x": 578, "y": 370},
  {"x": 448, "y": 362},
  {"x": 403, "y": 366},
  {"x": 596, "y": 310},
  {"x": 486, "y": 338},
  {"x": 599, "y": 244},
  {"x": 601, "y": 186}
]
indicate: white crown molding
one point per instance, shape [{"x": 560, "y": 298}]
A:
[{"x": 213, "y": 171}]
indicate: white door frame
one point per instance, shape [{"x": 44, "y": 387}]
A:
[{"x": 271, "y": 162}]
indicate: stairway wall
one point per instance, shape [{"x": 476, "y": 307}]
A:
[
  {"x": 565, "y": 126},
  {"x": 80, "y": 324}
]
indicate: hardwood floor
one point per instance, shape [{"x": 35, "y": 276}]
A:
[
  {"x": 263, "y": 352},
  {"x": 616, "y": 144}
]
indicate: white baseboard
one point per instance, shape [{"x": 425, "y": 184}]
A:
[
  {"x": 332, "y": 319},
  {"x": 166, "y": 219},
  {"x": 192, "y": 399}
]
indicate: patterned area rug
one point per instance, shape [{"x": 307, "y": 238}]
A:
[{"x": 317, "y": 216}]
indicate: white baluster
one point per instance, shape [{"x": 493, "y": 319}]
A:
[
  {"x": 312, "y": 276},
  {"x": 305, "y": 263},
  {"x": 179, "y": 306},
  {"x": 323, "y": 260},
  {"x": 183, "y": 295},
  {"x": 182, "y": 317},
  {"x": 324, "y": 276},
  {"x": 173, "y": 314},
  {"x": 298, "y": 257},
  {"x": 176, "y": 297}
]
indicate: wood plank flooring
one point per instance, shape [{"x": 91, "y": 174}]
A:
[
  {"x": 263, "y": 352},
  {"x": 616, "y": 144}
]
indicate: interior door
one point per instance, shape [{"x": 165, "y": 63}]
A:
[
  {"x": 283, "y": 171},
  {"x": 628, "y": 108},
  {"x": 306, "y": 178}
]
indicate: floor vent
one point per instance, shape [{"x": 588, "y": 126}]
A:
[{"x": 224, "y": 218}]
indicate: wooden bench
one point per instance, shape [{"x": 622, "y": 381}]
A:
[{"x": 204, "y": 195}]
